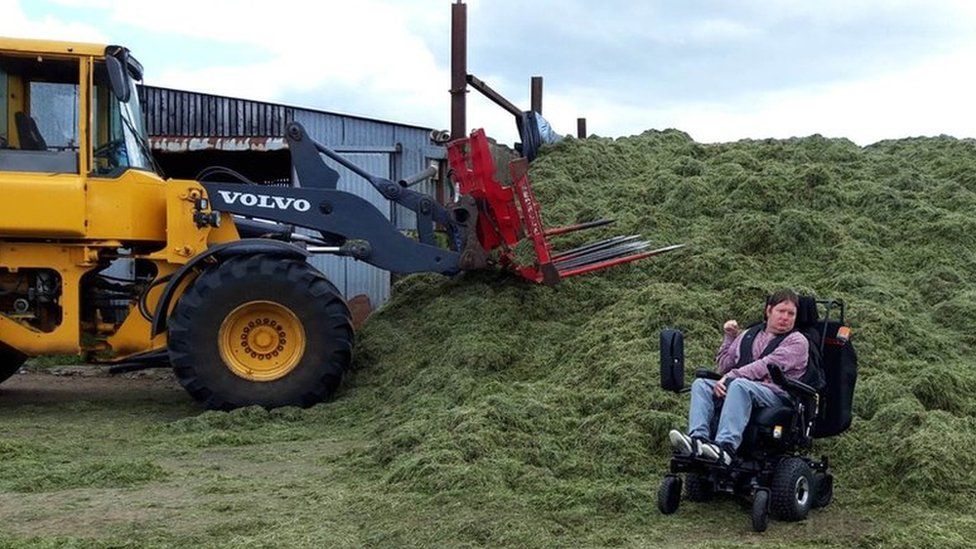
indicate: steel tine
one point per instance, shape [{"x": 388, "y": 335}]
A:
[
  {"x": 579, "y": 227},
  {"x": 608, "y": 243},
  {"x": 602, "y": 255},
  {"x": 575, "y": 271}
]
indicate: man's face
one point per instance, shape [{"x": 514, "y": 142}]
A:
[{"x": 780, "y": 317}]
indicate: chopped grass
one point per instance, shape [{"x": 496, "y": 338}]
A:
[
  {"x": 488, "y": 411},
  {"x": 551, "y": 394}
]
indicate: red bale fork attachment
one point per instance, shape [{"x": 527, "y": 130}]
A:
[{"x": 506, "y": 214}]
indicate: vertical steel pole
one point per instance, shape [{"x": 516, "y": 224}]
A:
[
  {"x": 581, "y": 128},
  {"x": 537, "y": 94},
  {"x": 459, "y": 69}
]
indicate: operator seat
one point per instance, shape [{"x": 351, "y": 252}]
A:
[{"x": 30, "y": 137}]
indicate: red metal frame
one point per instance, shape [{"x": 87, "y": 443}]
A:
[
  {"x": 474, "y": 171},
  {"x": 508, "y": 213}
]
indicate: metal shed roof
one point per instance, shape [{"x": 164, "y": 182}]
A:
[{"x": 188, "y": 113}]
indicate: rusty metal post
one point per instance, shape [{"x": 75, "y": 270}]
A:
[
  {"x": 459, "y": 69},
  {"x": 537, "y": 94},
  {"x": 581, "y": 128},
  {"x": 496, "y": 97}
]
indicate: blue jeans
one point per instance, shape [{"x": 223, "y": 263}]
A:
[{"x": 740, "y": 398}]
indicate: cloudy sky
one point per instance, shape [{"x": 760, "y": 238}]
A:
[{"x": 862, "y": 69}]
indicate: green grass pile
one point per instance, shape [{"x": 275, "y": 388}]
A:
[
  {"x": 484, "y": 386},
  {"x": 488, "y": 411}
]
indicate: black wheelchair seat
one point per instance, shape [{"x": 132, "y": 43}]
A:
[
  {"x": 769, "y": 427},
  {"x": 771, "y": 416}
]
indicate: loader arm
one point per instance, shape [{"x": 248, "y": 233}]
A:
[
  {"x": 339, "y": 216},
  {"x": 486, "y": 216},
  {"x": 313, "y": 173}
]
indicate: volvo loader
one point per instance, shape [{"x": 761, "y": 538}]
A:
[{"x": 219, "y": 287}]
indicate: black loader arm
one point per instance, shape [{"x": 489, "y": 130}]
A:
[
  {"x": 313, "y": 172},
  {"x": 353, "y": 223},
  {"x": 335, "y": 214}
]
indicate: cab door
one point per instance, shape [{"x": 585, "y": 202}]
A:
[{"x": 42, "y": 145}]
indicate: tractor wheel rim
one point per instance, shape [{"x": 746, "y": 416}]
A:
[
  {"x": 802, "y": 490},
  {"x": 261, "y": 341}
]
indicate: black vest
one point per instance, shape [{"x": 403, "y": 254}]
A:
[
  {"x": 812, "y": 376},
  {"x": 745, "y": 348}
]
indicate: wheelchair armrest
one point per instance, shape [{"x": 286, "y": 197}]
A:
[
  {"x": 792, "y": 386},
  {"x": 707, "y": 374}
]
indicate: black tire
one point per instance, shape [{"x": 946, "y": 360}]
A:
[
  {"x": 10, "y": 361},
  {"x": 793, "y": 490},
  {"x": 669, "y": 494},
  {"x": 760, "y": 511},
  {"x": 195, "y": 333},
  {"x": 698, "y": 488},
  {"x": 824, "y": 483}
]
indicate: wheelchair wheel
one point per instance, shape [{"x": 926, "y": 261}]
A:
[
  {"x": 793, "y": 490},
  {"x": 760, "y": 510},
  {"x": 824, "y": 483},
  {"x": 698, "y": 487},
  {"x": 669, "y": 494}
]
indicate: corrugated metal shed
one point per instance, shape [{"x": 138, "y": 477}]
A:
[
  {"x": 190, "y": 114},
  {"x": 180, "y": 120}
]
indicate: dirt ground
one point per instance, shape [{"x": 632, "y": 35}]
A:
[
  {"x": 60, "y": 385},
  {"x": 91, "y": 460},
  {"x": 87, "y": 430}
]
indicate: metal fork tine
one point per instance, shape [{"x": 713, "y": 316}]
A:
[
  {"x": 579, "y": 227},
  {"x": 610, "y": 242},
  {"x": 599, "y": 265},
  {"x": 601, "y": 255}
]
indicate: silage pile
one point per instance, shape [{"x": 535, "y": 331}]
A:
[{"x": 487, "y": 385}]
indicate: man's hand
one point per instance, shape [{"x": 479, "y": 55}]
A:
[
  {"x": 731, "y": 327},
  {"x": 720, "y": 389}
]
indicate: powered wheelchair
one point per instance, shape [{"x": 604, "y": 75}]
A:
[{"x": 772, "y": 466}]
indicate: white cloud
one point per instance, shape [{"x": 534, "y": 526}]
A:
[
  {"x": 930, "y": 98},
  {"x": 16, "y": 24},
  {"x": 364, "y": 48},
  {"x": 374, "y": 55},
  {"x": 720, "y": 30}
]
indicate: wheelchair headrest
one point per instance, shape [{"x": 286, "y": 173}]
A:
[{"x": 806, "y": 312}]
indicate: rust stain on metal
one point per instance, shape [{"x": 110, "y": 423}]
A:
[{"x": 189, "y": 144}]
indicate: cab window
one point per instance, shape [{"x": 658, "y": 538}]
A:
[
  {"x": 39, "y": 123},
  {"x": 119, "y": 134}
]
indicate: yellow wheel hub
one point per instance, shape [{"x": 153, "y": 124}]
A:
[{"x": 261, "y": 341}]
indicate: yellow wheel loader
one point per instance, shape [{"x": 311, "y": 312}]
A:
[
  {"x": 242, "y": 320},
  {"x": 219, "y": 287}
]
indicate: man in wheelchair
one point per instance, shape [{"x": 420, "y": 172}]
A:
[
  {"x": 745, "y": 383},
  {"x": 778, "y": 385}
]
